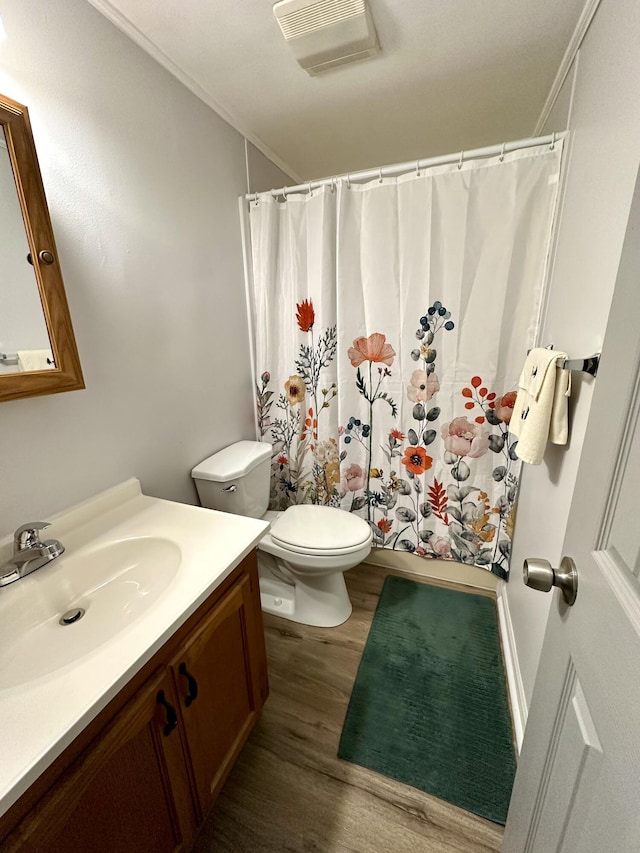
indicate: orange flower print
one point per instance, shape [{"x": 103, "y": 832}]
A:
[
  {"x": 294, "y": 386},
  {"x": 416, "y": 460},
  {"x": 385, "y": 525},
  {"x": 305, "y": 315},
  {"x": 504, "y": 406},
  {"x": 310, "y": 425},
  {"x": 395, "y": 433},
  {"x": 374, "y": 348}
]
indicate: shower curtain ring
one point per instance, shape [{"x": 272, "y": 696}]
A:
[
  {"x": 417, "y": 168},
  {"x": 553, "y": 141},
  {"x": 460, "y": 160},
  {"x": 380, "y": 176},
  {"x": 255, "y": 198},
  {"x": 348, "y": 182},
  {"x": 310, "y": 190},
  {"x": 284, "y": 193},
  {"x": 502, "y": 152}
]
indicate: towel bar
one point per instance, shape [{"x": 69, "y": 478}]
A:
[
  {"x": 9, "y": 357},
  {"x": 585, "y": 365}
]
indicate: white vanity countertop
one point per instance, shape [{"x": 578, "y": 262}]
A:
[{"x": 41, "y": 717}]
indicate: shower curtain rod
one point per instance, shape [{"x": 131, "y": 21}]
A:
[{"x": 414, "y": 165}]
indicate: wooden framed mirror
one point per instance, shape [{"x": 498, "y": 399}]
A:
[{"x": 38, "y": 353}]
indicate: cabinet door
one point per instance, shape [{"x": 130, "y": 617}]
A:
[
  {"x": 127, "y": 793},
  {"x": 218, "y": 675}
]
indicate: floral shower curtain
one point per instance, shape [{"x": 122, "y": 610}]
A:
[{"x": 391, "y": 322}]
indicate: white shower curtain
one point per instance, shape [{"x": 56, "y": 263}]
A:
[{"x": 391, "y": 321}]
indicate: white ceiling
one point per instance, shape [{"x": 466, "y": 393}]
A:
[{"x": 452, "y": 75}]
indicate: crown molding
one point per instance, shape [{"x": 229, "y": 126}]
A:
[
  {"x": 584, "y": 22},
  {"x": 129, "y": 29}
]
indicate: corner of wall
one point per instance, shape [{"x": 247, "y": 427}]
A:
[{"x": 584, "y": 22}]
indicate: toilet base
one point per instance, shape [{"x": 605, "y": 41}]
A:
[{"x": 321, "y": 601}]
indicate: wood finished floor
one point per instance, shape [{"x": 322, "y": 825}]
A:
[{"x": 289, "y": 793}]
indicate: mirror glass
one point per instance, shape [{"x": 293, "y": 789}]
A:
[
  {"x": 24, "y": 339},
  {"x": 34, "y": 313}
]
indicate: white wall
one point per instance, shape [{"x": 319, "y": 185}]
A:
[
  {"x": 262, "y": 174},
  {"x": 604, "y": 154},
  {"x": 142, "y": 181}
]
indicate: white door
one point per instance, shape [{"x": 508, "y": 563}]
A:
[{"x": 577, "y": 789}]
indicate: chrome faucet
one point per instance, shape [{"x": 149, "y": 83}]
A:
[{"x": 29, "y": 553}]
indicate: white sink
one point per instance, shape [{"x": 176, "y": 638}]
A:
[
  {"x": 139, "y": 566},
  {"x": 114, "y": 584}
]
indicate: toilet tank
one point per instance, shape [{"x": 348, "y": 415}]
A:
[{"x": 236, "y": 479}]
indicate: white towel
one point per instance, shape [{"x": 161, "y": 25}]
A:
[
  {"x": 35, "y": 359},
  {"x": 541, "y": 410}
]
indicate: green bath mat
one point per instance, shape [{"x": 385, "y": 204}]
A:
[{"x": 429, "y": 705}]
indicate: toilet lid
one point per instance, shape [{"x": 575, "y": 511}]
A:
[{"x": 321, "y": 530}]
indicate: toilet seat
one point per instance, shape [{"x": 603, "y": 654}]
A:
[{"x": 320, "y": 531}]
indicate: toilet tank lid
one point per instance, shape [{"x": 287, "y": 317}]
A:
[{"x": 233, "y": 461}]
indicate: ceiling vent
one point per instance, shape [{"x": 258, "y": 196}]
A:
[{"x": 325, "y": 33}]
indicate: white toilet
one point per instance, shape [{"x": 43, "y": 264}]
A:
[{"x": 303, "y": 558}]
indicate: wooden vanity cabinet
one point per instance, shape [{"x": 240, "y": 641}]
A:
[
  {"x": 129, "y": 791},
  {"x": 151, "y": 774},
  {"x": 219, "y": 690}
]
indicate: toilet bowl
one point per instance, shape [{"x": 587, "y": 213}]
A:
[{"x": 303, "y": 557}]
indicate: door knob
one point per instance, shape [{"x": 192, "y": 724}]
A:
[{"x": 539, "y": 574}]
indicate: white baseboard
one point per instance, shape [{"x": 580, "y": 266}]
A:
[
  {"x": 446, "y": 570},
  {"x": 515, "y": 686}
]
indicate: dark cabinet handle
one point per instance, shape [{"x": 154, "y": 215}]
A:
[
  {"x": 191, "y": 682},
  {"x": 172, "y": 717}
]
